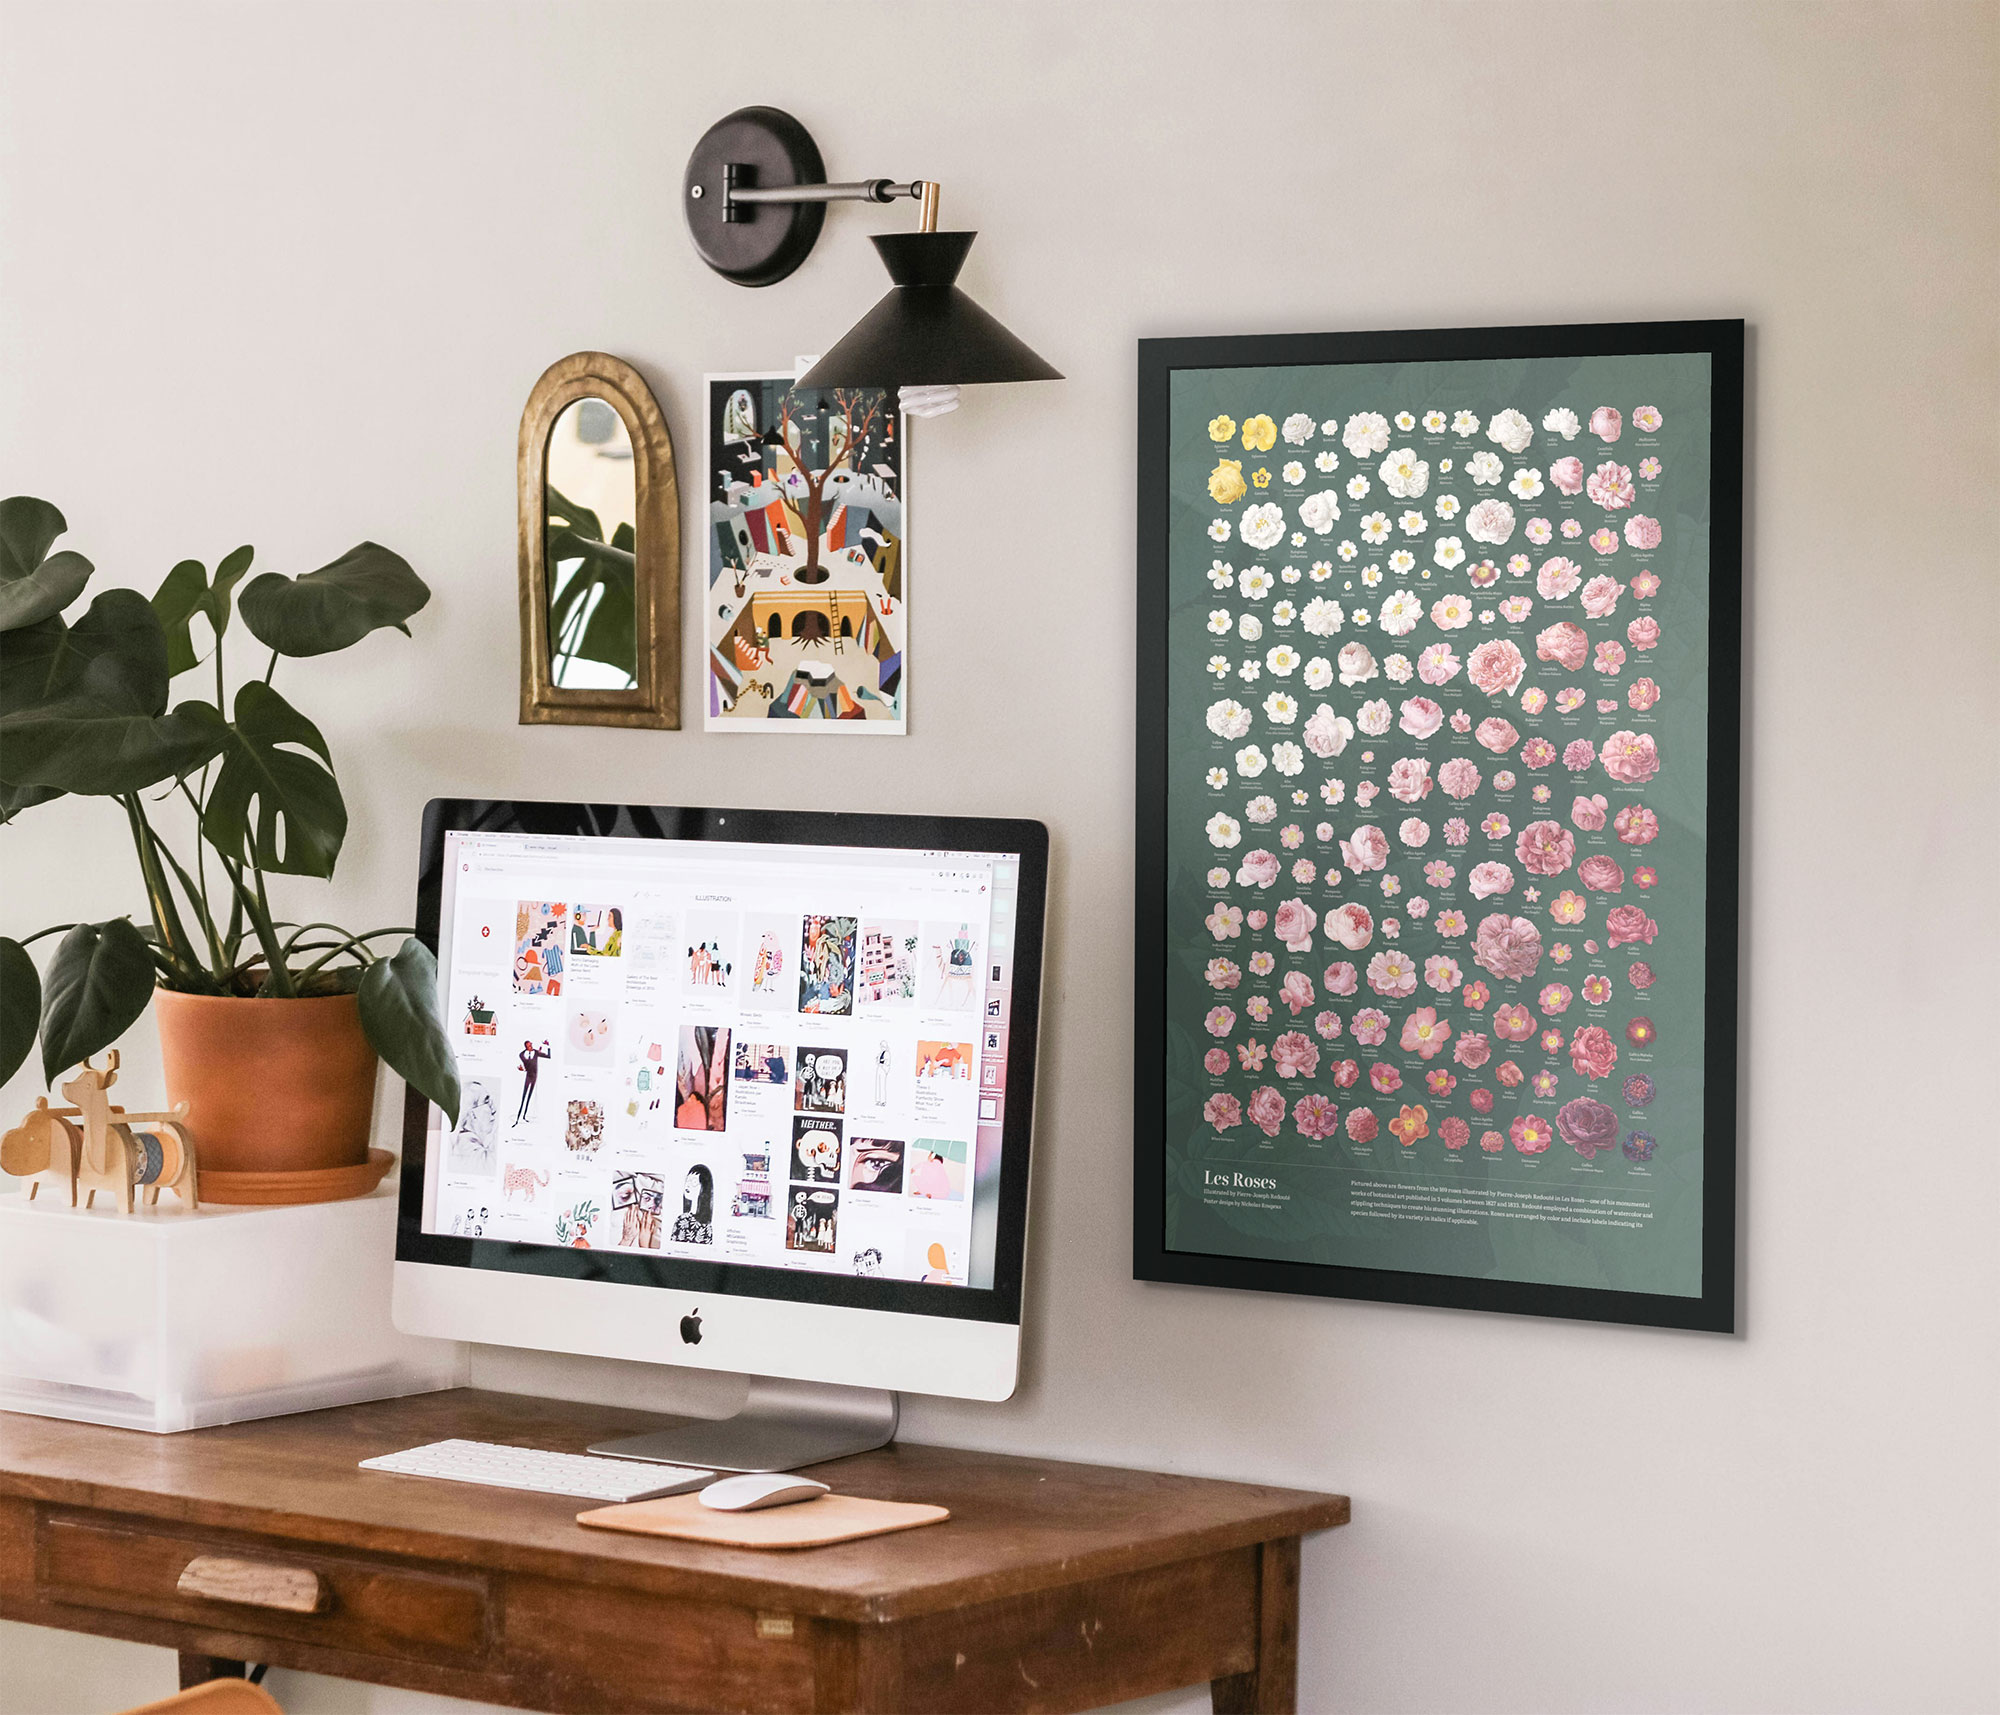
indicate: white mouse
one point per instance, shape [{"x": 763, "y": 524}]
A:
[{"x": 759, "y": 1489}]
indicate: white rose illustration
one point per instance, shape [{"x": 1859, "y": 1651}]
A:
[
  {"x": 1250, "y": 762},
  {"x": 1405, "y": 475},
  {"x": 1485, "y": 468},
  {"x": 1280, "y": 709},
  {"x": 1357, "y": 664},
  {"x": 1563, "y": 421},
  {"x": 1287, "y": 758},
  {"x": 1223, "y": 830},
  {"x": 1318, "y": 511},
  {"x": 1262, "y": 526},
  {"x": 1373, "y": 717},
  {"x": 1321, "y": 617},
  {"x": 1400, "y": 614},
  {"x": 1511, "y": 430},
  {"x": 1448, "y": 552},
  {"x": 1319, "y": 673},
  {"x": 1326, "y": 733},
  {"x": 1366, "y": 432},
  {"x": 1294, "y": 471},
  {"x": 1249, "y": 628},
  {"x": 1465, "y": 423},
  {"x": 1228, "y": 718},
  {"x": 1491, "y": 521},
  {"x": 1298, "y": 429}
]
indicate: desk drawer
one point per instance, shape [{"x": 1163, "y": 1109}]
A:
[{"x": 262, "y": 1586}]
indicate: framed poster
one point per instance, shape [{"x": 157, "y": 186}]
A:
[
  {"x": 805, "y": 620},
  {"x": 1439, "y": 654}
]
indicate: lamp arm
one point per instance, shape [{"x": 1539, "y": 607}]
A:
[{"x": 855, "y": 190}]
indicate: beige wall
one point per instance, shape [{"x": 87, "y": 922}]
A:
[{"x": 287, "y": 273}]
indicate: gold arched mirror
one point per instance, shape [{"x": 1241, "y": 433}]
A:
[{"x": 600, "y": 524}]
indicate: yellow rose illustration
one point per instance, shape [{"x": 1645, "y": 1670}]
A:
[
  {"x": 1260, "y": 434},
  {"x": 1261, "y": 477},
  {"x": 1225, "y": 482},
  {"x": 1221, "y": 428}
]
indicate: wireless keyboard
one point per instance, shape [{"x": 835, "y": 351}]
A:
[{"x": 497, "y": 1467}]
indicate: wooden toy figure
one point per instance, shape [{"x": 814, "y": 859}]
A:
[
  {"x": 44, "y": 1149},
  {"x": 96, "y": 1147}
]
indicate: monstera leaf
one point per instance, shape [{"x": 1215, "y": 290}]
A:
[
  {"x": 607, "y": 631},
  {"x": 399, "y": 1011},
  {"x": 367, "y": 588},
  {"x": 275, "y": 802},
  {"x": 83, "y": 708},
  {"x": 35, "y": 584},
  {"x": 185, "y": 592},
  {"x": 20, "y": 1006},
  {"x": 98, "y": 984}
]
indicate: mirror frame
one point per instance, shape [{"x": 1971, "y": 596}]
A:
[{"x": 655, "y": 701}]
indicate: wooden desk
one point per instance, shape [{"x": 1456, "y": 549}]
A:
[{"x": 1053, "y": 1586}]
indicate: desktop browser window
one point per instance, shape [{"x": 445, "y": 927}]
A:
[{"x": 774, "y": 1055}]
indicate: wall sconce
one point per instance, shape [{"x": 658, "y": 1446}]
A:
[{"x": 755, "y": 195}]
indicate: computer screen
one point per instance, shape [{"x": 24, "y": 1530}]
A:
[{"x": 771, "y": 1053}]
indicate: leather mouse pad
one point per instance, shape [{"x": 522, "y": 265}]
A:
[{"x": 804, "y": 1524}]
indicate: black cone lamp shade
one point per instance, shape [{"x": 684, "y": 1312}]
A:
[{"x": 926, "y": 332}]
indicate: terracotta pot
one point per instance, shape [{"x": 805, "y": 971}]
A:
[{"x": 272, "y": 1085}]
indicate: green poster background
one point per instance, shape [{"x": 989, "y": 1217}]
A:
[{"x": 1610, "y": 1221}]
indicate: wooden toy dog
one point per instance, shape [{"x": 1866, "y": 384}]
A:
[{"x": 110, "y": 1150}]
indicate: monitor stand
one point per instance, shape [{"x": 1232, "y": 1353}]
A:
[{"x": 782, "y": 1426}]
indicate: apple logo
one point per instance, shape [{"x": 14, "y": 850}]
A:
[{"x": 691, "y": 1327}]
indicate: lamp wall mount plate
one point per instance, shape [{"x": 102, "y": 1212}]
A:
[{"x": 755, "y": 195}]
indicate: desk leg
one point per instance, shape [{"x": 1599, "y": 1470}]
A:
[
  {"x": 200, "y": 1669},
  {"x": 1272, "y": 1686}
]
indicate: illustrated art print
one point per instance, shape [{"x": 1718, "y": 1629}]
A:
[
  {"x": 1436, "y": 957},
  {"x": 806, "y": 622}
]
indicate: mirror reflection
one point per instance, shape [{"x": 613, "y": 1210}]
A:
[{"x": 590, "y": 516}]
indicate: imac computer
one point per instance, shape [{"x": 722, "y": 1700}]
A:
[{"x": 744, "y": 1090}]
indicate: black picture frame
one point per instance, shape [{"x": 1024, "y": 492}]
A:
[{"x": 1715, "y": 1308}]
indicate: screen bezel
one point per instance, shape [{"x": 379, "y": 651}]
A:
[{"x": 1030, "y": 839}]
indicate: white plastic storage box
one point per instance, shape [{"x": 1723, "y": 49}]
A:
[{"x": 177, "y": 1320}]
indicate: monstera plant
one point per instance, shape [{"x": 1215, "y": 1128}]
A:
[{"x": 219, "y": 789}]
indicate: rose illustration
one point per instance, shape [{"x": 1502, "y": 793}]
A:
[
  {"x": 1361, "y": 1126},
  {"x": 1455, "y": 1132},
  {"x": 1293, "y": 925},
  {"x": 1636, "y": 825},
  {"x": 1639, "y": 1090},
  {"x": 1642, "y": 532},
  {"x": 1531, "y": 1133},
  {"x": 1459, "y": 777},
  {"x": 1296, "y": 1055},
  {"x": 1606, "y": 423},
  {"x": 1558, "y": 577},
  {"x": 1340, "y": 977},
  {"x": 1601, "y": 873},
  {"x": 1588, "y": 813},
  {"x": 1258, "y": 869},
  {"x": 1351, "y": 925},
  {"x": 1409, "y": 779},
  {"x": 1267, "y": 1110},
  {"x": 1367, "y": 848},
  {"x": 1496, "y": 734},
  {"x": 1222, "y": 1110},
  {"x": 1412, "y": 1123},
  {"x": 1631, "y": 758},
  {"x": 1567, "y": 474},
  {"x": 1488, "y": 879},
  {"x": 1225, "y": 483},
  {"x": 1496, "y": 666},
  {"x": 1586, "y": 1124},
  {"x": 1545, "y": 848},
  {"x": 1564, "y": 643},
  {"x": 1592, "y": 1052},
  {"x": 1296, "y": 991},
  {"x": 1511, "y": 949},
  {"x": 1315, "y": 1116},
  {"x": 1629, "y": 923},
  {"x": 1643, "y": 632}
]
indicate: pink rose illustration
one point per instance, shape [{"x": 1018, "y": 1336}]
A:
[
  {"x": 1384, "y": 1079},
  {"x": 1488, "y": 879},
  {"x": 1640, "y": 1032},
  {"x": 1538, "y": 752},
  {"x": 1410, "y": 779},
  {"x": 1647, "y": 420},
  {"x": 1346, "y": 1074},
  {"x": 1645, "y": 585},
  {"x": 1258, "y": 919},
  {"x": 1600, "y": 595},
  {"x": 1482, "y": 1100},
  {"x": 1327, "y": 1024},
  {"x": 1315, "y": 1116},
  {"x": 1437, "y": 665},
  {"x": 1456, "y": 832},
  {"x": 1491, "y": 1142},
  {"x": 1642, "y": 532},
  {"x": 1392, "y": 972},
  {"x": 1258, "y": 1006},
  {"x": 1340, "y": 977},
  {"x": 1509, "y": 947},
  {"x": 1486, "y": 573},
  {"x": 1421, "y": 717},
  {"x": 1295, "y": 1055},
  {"x": 1361, "y": 1125},
  {"x": 1366, "y": 848},
  {"x": 1509, "y": 1073},
  {"x": 1567, "y": 474},
  {"x": 1578, "y": 755},
  {"x": 1601, "y": 874},
  {"x": 1473, "y": 1050},
  {"x": 1294, "y": 927},
  {"x": 1645, "y": 876},
  {"x": 1640, "y": 974},
  {"x": 1371, "y": 1027},
  {"x": 1554, "y": 999},
  {"x": 1495, "y": 666},
  {"x": 1326, "y": 733},
  {"x": 1496, "y": 734},
  {"x": 1455, "y": 1132},
  {"x": 1631, "y": 758},
  {"x": 1459, "y": 777},
  {"x": 1610, "y": 485},
  {"x": 1543, "y": 1083},
  {"x": 1216, "y": 1061},
  {"x": 1222, "y": 974},
  {"x": 1221, "y": 1020},
  {"x": 1440, "y": 1082},
  {"x": 1267, "y": 1110},
  {"x": 1643, "y": 632},
  {"x": 1250, "y": 1055},
  {"x": 1604, "y": 540},
  {"x": 1258, "y": 869},
  {"x": 1587, "y": 1126},
  {"x": 1296, "y": 991},
  {"x": 1225, "y": 922},
  {"x": 1302, "y": 872},
  {"x": 1531, "y": 1133},
  {"x": 1545, "y": 848},
  {"x": 1606, "y": 423},
  {"x": 1572, "y": 528},
  {"x": 1588, "y": 813},
  {"x": 1222, "y": 1110},
  {"x": 1592, "y": 1052},
  {"x": 1636, "y": 825},
  {"x": 1607, "y": 705},
  {"x": 1557, "y": 578},
  {"x": 1596, "y": 989},
  {"x": 1629, "y": 923},
  {"x": 1475, "y": 994},
  {"x": 1564, "y": 643},
  {"x": 1642, "y": 694},
  {"x": 1425, "y": 1034},
  {"x": 1611, "y": 653}
]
